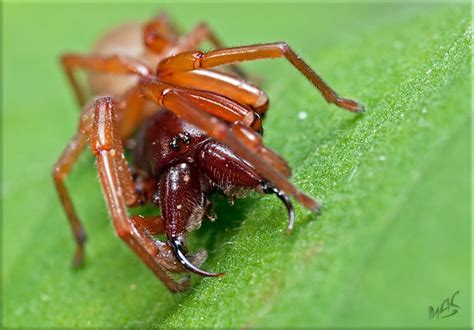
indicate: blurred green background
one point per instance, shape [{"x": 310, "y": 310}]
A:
[{"x": 394, "y": 238}]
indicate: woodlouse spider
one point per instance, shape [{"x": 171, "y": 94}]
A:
[{"x": 190, "y": 131}]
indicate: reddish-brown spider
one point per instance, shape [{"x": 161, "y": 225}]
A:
[{"x": 196, "y": 131}]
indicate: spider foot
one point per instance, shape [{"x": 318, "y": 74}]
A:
[
  {"x": 78, "y": 259},
  {"x": 350, "y": 105}
]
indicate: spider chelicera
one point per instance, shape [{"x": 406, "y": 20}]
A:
[{"x": 190, "y": 131}]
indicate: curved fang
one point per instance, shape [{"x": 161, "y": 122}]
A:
[
  {"x": 286, "y": 200},
  {"x": 178, "y": 249}
]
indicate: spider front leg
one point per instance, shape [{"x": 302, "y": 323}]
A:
[
  {"x": 234, "y": 88},
  {"x": 193, "y": 60},
  {"x": 153, "y": 252},
  {"x": 115, "y": 178}
]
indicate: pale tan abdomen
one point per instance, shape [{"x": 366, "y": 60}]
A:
[{"x": 124, "y": 40}]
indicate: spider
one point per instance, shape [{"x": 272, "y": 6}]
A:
[{"x": 190, "y": 130}]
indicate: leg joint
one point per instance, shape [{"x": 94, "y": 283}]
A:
[
  {"x": 98, "y": 148},
  {"x": 203, "y": 26},
  {"x": 58, "y": 173},
  {"x": 284, "y": 48},
  {"x": 198, "y": 57},
  {"x": 104, "y": 102},
  {"x": 80, "y": 236}
]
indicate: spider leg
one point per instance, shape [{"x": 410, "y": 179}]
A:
[
  {"x": 171, "y": 25},
  {"x": 193, "y": 60},
  {"x": 109, "y": 153},
  {"x": 63, "y": 167},
  {"x": 160, "y": 33},
  {"x": 107, "y": 64},
  {"x": 198, "y": 35},
  {"x": 153, "y": 225},
  {"x": 132, "y": 109},
  {"x": 230, "y": 112},
  {"x": 61, "y": 170},
  {"x": 241, "y": 139},
  {"x": 114, "y": 179},
  {"x": 234, "y": 88}
]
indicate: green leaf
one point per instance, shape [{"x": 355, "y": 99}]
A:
[{"x": 394, "y": 237}]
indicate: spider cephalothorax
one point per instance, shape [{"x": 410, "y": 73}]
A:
[{"x": 191, "y": 131}]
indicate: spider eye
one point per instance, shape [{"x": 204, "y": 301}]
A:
[
  {"x": 184, "y": 137},
  {"x": 174, "y": 144}
]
